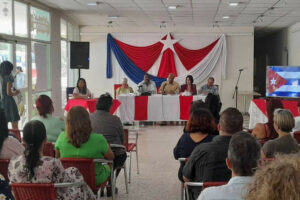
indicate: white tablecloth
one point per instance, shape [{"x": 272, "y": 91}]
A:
[{"x": 160, "y": 107}]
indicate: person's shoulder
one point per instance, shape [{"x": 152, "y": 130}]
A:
[
  {"x": 209, "y": 193},
  {"x": 97, "y": 136}
]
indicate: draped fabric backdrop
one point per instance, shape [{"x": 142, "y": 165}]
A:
[{"x": 132, "y": 55}]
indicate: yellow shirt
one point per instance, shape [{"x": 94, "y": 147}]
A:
[
  {"x": 169, "y": 88},
  {"x": 121, "y": 90}
]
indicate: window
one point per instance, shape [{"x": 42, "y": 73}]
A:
[
  {"x": 5, "y": 52},
  {"x": 6, "y": 16},
  {"x": 64, "y": 70},
  {"x": 63, "y": 29},
  {"x": 20, "y": 19},
  {"x": 40, "y": 24}
]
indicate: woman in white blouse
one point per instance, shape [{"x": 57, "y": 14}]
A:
[{"x": 81, "y": 91}]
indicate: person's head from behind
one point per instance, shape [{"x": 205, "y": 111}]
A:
[
  {"x": 197, "y": 105},
  {"x": 34, "y": 136},
  {"x": 6, "y": 68},
  {"x": 104, "y": 102},
  {"x": 81, "y": 85},
  {"x": 283, "y": 120},
  {"x": 231, "y": 121},
  {"x": 19, "y": 69},
  {"x": 189, "y": 80},
  {"x": 200, "y": 121},
  {"x": 276, "y": 179},
  {"x": 243, "y": 154},
  {"x": 146, "y": 78},
  {"x": 171, "y": 78},
  {"x": 78, "y": 126},
  {"x": 212, "y": 102},
  {"x": 44, "y": 105},
  {"x": 210, "y": 81},
  {"x": 3, "y": 128}
]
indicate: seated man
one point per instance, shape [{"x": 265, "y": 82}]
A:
[
  {"x": 147, "y": 86},
  {"x": 169, "y": 86},
  {"x": 209, "y": 87},
  {"x": 207, "y": 161},
  {"x": 243, "y": 157}
]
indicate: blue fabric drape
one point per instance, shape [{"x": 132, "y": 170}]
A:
[{"x": 130, "y": 69}]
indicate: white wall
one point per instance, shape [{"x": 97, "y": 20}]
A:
[
  {"x": 294, "y": 45},
  {"x": 240, "y": 48}
]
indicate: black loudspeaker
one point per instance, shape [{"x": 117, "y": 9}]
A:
[{"x": 80, "y": 55}]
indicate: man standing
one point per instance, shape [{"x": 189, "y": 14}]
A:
[
  {"x": 147, "y": 85},
  {"x": 242, "y": 159},
  {"x": 207, "y": 161},
  {"x": 169, "y": 86},
  {"x": 209, "y": 87}
]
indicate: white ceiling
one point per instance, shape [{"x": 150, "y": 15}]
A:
[{"x": 263, "y": 14}]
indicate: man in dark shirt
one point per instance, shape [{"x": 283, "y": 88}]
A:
[{"x": 207, "y": 161}]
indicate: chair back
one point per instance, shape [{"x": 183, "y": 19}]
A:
[
  {"x": 4, "y": 168},
  {"x": 34, "y": 191},
  {"x": 210, "y": 184},
  {"x": 297, "y": 136},
  {"x": 85, "y": 166},
  {"x": 16, "y": 133},
  {"x": 126, "y": 139},
  {"x": 116, "y": 86},
  {"x": 69, "y": 92},
  {"x": 48, "y": 149}
]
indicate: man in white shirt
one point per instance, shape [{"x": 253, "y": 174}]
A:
[
  {"x": 243, "y": 157},
  {"x": 147, "y": 85}
]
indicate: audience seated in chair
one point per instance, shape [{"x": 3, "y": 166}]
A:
[
  {"x": 80, "y": 142},
  {"x": 54, "y": 125},
  {"x": 242, "y": 159},
  {"x": 34, "y": 168},
  {"x": 198, "y": 130},
  {"x": 207, "y": 161},
  {"x": 214, "y": 105},
  {"x": 277, "y": 179},
  {"x": 266, "y": 131},
  {"x": 110, "y": 127},
  {"x": 285, "y": 143},
  {"x": 9, "y": 145}
]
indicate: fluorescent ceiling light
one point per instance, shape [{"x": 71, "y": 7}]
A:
[
  {"x": 114, "y": 16},
  {"x": 226, "y": 17},
  {"x": 233, "y": 4},
  {"x": 92, "y": 4},
  {"x": 172, "y": 7}
]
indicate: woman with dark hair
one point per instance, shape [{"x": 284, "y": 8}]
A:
[
  {"x": 198, "y": 130},
  {"x": 54, "y": 125},
  {"x": 32, "y": 167},
  {"x": 79, "y": 142},
  {"x": 214, "y": 105},
  {"x": 266, "y": 131},
  {"x": 81, "y": 91},
  {"x": 189, "y": 86},
  {"x": 7, "y": 92},
  {"x": 9, "y": 145}
]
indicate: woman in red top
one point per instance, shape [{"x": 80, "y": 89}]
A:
[{"x": 189, "y": 86}]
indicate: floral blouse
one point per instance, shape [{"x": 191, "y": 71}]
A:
[{"x": 50, "y": 170}]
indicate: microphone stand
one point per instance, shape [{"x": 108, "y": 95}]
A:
[{"x": 236, "y": 89}]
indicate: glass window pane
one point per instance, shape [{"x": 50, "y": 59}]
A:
[
  {"x": 20, "y": 19},
  {"x": 70, "y": 32},
  {"x": 6, "y": 16},
  {"x": 40, "y": 24},
  {"x": 21, "y": 101},
  {"x": 63, "y": 28},
  {"x": 21, "y": 66},
  {"x": 41, "y": 78},
  {"x": 64, "y": 70},
  {"x": 5, "y": 52}
]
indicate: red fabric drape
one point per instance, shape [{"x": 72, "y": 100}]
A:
[
  {"x": 287, "y": 104},
  {"x": 142, "y": 57},
  {"x": 141, "y": 108},
  {"x": 185, "y": 105},
  {"x": 115, "y": 106},
  {"x": 189, "y": 58},
  {"x": 167, "y": 64}
]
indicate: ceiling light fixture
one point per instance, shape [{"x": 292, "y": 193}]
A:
[
  {"x": 114, "y": 16},
  {"x": 172, "y": 7},
  {"x": 226, "y": 17},
  {"x": 233, "y": 4},
  {"x": 97, "y": 3}
]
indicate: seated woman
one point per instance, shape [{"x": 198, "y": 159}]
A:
[
  {"x": 266, "y": 131},
  {"x": 79, "y": 142},
  {"x": 9, "y": 145},
  {"x": 278, "y": 179},
  {"x": 124, "y": 89},
  {"x": 81, "y": 91},
  {"x": 198, "y": 130},
  {"x": 189, "y": 86},
  {"x": 284, "y": 123},
  {"x": 54, "y": 125},
  {"x": 32, "y": 167},
  {"x": 5, "y": 192}
]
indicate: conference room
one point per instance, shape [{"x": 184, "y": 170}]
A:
[{"x": 143, "y": 84}]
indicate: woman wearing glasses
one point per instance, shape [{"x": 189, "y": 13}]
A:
[{"x": 284, "y": 122}]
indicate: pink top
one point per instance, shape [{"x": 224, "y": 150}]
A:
[{"x": 11, "y": 147}]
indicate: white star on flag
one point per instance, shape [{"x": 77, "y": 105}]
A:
[
  {"x": 168, "y": 43},
  {"x": 273, "y": 82}
]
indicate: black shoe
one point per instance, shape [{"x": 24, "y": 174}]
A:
[{"x": 109, "y": 190}]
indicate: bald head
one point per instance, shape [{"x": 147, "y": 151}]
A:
[{"x": 171, "y": 78}]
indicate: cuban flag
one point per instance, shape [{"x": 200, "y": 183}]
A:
[
  {"x": 283, "y": 81},
  {"x": 166, "y": 56}
]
